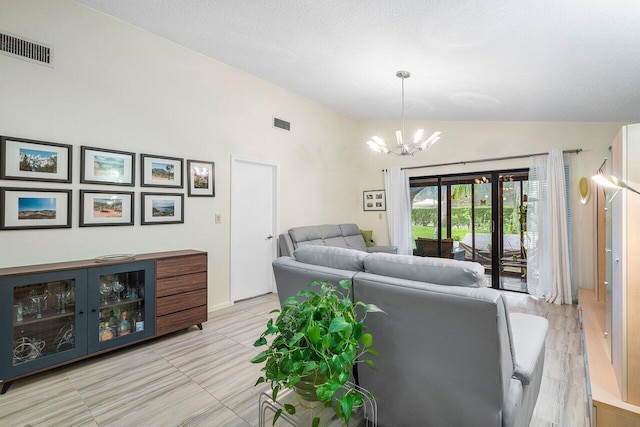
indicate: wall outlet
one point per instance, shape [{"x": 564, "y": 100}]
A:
[{"x": 218, "y": 218}]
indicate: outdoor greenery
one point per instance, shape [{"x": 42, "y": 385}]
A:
[
  {"x": 461, "y": 220},
  {"x": 322, "y": 333}
]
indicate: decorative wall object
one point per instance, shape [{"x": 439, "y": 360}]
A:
[
  {"x": 29, "y": 160},
  {"x": 201, "y": 179},
  {"x": 111, "y": 167},
  {"x": 98, "y": 208},
  {"x": 158, "y": 171},
  {"x": 24, "y": 208},
  {"x": 584, "y": 190},
  {"x": 374, "y": 200},
  {"x": 161, "y": 208}
]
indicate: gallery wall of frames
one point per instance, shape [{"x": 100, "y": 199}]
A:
[{"x": 25, "y": 207}]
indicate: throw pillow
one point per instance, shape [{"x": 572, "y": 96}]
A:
[{"x": 367, "y": 235}]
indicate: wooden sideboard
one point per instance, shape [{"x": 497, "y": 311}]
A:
[{"x": 58, "y": 313}]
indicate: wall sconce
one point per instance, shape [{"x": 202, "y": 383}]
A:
[{"x": 585, "y": 191}]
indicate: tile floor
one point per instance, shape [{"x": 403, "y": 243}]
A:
[{"x": 203, "y": 378}]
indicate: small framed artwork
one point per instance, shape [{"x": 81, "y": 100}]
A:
[
  {"x": 374, "y": 200},
  {"x": 24, "y": 208},
  {"x": 160, "y": 171},
  {"x": 161, "y": 208},
  {"x": 98, "y": 208},
  {"x": 201, "y": 178},
  {"x": 29, "y": 160},
  {"x": 110, "y": 167}
]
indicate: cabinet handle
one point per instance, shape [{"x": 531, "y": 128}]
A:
[
  {"x": 93, "y": 310},
  {"x": 81, "y": 313}
]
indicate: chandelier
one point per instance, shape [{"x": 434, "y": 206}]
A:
[{"x": 403, "y": 148}]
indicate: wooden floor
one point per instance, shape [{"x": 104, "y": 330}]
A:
[{"x": 203, "y": 378}]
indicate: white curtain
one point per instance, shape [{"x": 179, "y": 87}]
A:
[
  {"x": 548, "y": 263},
  {"x": 398, "y": 201}
]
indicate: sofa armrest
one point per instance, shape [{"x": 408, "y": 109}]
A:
[
  {"x": 285, "y": 245},
  {"x": 384, "y": 249},
  {"x": 529, "y": 333}
]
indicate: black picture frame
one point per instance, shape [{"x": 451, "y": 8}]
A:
[
  {"x": 108, "y": 201},
  {"x": 30, "y": 208},
  {"x": 201, "y": 179},
  {"x": 31, "y": 160},
  {"x": 374, "y": 200},
  {"x": 107, "y": 167},
  {"x": 170, "y": 179},
  {"x": 151, "y": 205}
]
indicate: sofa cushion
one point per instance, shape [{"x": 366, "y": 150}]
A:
[
  {"x": 327, "y": 256},
  {"x": 314, "y": 232},
  {"x": 440, "y": 271}
]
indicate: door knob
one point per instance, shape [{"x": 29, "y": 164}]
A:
[{"x": 269, "y": 237}]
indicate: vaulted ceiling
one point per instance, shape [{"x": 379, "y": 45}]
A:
[{"x": 543, "y": 60}]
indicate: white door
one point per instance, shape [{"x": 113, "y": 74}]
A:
[{"x": 254, "y": 207}]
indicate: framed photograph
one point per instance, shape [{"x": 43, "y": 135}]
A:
[
  {"x": 100, "y": 166},
  {"x": 29, "y": 160},
  {"x": 98, "y": 208},
  {"x": 24, "y": 208},
  {"x": 374, "y": 200},
  {"x": 201, "y": 178},
  {"x": 161, "y": 208},
  {"x": 160, "y": 171}
]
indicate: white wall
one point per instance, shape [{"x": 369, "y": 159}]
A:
[
  {"x": 481, "y": 140},
  {"x": 118, "y": 87}
]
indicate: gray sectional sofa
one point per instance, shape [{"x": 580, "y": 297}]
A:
[
  {"x": 451, "y": 354},
  {"x": 346, "y": 236}
]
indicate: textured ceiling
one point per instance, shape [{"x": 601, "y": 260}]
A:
[{"x": 548, "y": 60}]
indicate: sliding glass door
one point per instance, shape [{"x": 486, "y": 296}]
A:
[{"x": 475, "y": 217}]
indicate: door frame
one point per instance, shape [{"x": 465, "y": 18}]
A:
[{"x": 275, "y": 226}]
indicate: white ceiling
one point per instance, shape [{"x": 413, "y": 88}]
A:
[{"x": 530, "y": 60}]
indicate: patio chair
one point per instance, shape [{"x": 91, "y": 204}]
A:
[
  {"x": 429, "y": 247},
  {"x": 482, "y": 249}
]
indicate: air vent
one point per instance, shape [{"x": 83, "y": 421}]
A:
[
  {"x": 24, "y": 49},
  {"x": 281, "y": 124}
]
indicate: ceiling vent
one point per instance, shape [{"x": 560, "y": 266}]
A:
[
  {"x": 281, "y": 124},
  {"x": 25, "y": 49}
]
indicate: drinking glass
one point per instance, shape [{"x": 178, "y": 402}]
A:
[
  {"x": 118, "y": 287},
  {"x": 132, "y": 292},
  {"x": 38, "y": 299},
  {"x": 105, "y": 290}
]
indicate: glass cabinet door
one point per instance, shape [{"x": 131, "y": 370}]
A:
[
  {"x": 121, "y": 303},
  {"x": 47, "y": 320}
]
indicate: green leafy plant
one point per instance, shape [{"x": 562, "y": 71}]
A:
[{"x": 322, "y": 334}]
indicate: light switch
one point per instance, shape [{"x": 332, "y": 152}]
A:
[{"x": 218, "y": 218}]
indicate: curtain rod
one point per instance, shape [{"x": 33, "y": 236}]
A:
[{"x": 521, "y": 156}]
